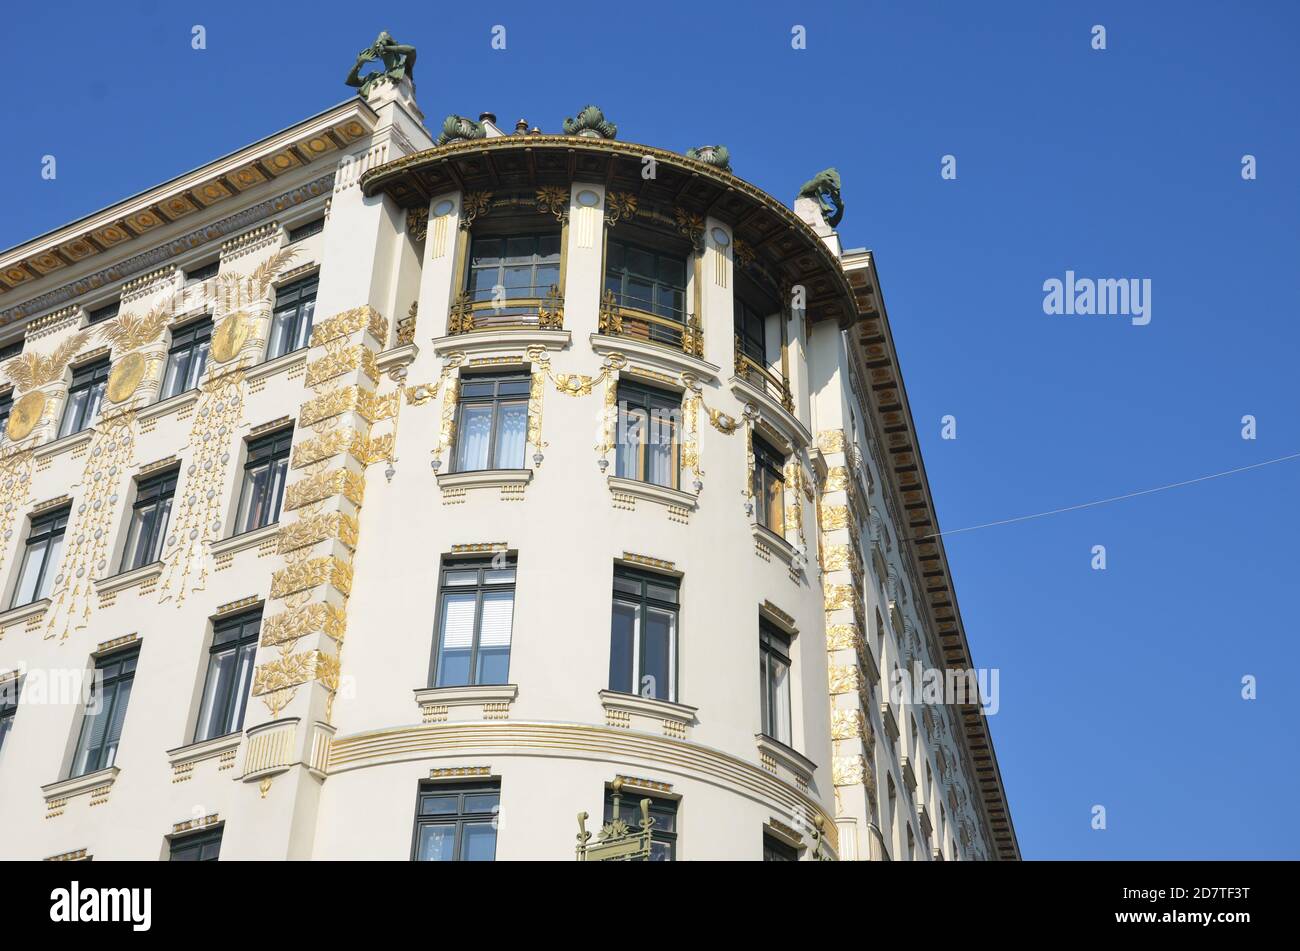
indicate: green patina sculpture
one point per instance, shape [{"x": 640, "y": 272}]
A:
[
  {"x": 457, "y": 128},
  {"x": 825, "y": 188},
  {"x": 398, "y": 60},
  {"x": 716, "y": 155},
  {"x": 591, "y": 123}
]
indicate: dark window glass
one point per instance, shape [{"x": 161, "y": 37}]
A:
[
  {"x": 291, "y": 320},
  {"x": 775, "y": 850},
  {"x": 519, "y": 267},
  {"x": 663, "y": 834},
  {"x": 100, "y": 314},
  {"x": 456, "y": 823},
  {"x": 230, "y": 675},
  {"x": 647, "y": 436},
  {"x": 149, "y": 517},
  {"x": 202, "y": 273},
  {"x": 11, "y": 350},
  {"x": 8, "y": 707},
  {"x": 84, "y": 396},
  {"x": 41, "y": 557},
  {"x": 492, "y": 423},
  {"x": 648, "y": 281},
  {"x": 774, "y": 681},
  {"x": 202, "y": 846},
  {"x": 476, "y": 612},
  {"x": 6, "y": 407},
  {"x": 187, "y": 358},
  {"x": 101, "y": 725},
  {"x": 264, "y": 474},
  {"x": 751, "y": 328},
  {"x": 315, "y": 226},
  {"x": 769, "y": 487},
  {"x": 643, "y": 635}
]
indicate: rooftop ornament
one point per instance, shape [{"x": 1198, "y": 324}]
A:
[
  {"x": 824, "y": 188},
  {"x": 460, "y": 129},
  {"x": 398, "y": 60},
  {"x": 719, "y": 156},
  {"x": 592, "y": 124}
]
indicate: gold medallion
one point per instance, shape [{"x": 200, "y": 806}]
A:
[
  {"x": 125, "y": 377},
  {"x": 25, "y": 415},
  {"x": 228, "y": 339}
]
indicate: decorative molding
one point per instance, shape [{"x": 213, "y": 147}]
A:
[{"x": 493, "y": 702}]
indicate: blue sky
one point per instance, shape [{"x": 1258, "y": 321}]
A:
[{"x": 1118, "y": 687}]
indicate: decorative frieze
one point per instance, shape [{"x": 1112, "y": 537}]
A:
[{"x": 309, "y": 573}]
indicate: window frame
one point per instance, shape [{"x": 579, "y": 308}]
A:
[
  {"x": 643, "y": 602},
  {"x": 655, "y": 403},
  {"x": 537, "y": 259},
  {"x": 460, "y": 818},
  {"x": 188, "y": 339},
  {"x": 630, "y": 812},
  {"x": 6, "y": 408},
  {"x": 496, "y": 401},
  {"x": 107, "y": 754},
  {"x": 89, "y": 378},
  {"x": 248, "y": 625},
  {"x": 265, "y": 450},
  {"x": 157, "y": 492},
  {"x": 38, "y": 533},
  {"x": 480, "y": 587},
  {"x": 769, "y": 469},
  {"x": 196, "y": 841},
  {"x": 771, "y": 640},
  {"x": 293, "y": 295},
  {"x": 776, "y": 850},
  {"x": 682, "y": 316},
  {"x": 9, "y": 697}
]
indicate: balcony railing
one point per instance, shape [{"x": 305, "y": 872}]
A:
[
  {"x": 537, "y": 307},
  {"x": 763, "y": 377},
  {"x": 621, "y": 318}
]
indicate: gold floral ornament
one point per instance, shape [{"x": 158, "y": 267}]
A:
[
  {"x": 236, "y": 292},
  {"x": 30, "y": 370},
  {"x": 553, "y": 200},
  {"x": 127, "y": 332}
]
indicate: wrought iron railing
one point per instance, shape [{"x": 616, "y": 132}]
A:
[
  {"x": 518, "y": 307},
  {"x": 623, "y": 318},
  {"x": 760, "y": 375}
]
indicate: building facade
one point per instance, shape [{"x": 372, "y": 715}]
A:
[{"x": 368, "y": 493}]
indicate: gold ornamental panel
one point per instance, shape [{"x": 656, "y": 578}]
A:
[
  {"x": 25, "y": 415},
  {"x": 125, "y": 377},
  {"x": 228, "y": 339}
]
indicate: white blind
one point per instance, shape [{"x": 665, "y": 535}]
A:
[
  {"x": 498, "y": 612},
  {"x": 457, "y": 621}
]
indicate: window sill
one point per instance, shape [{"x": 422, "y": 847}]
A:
[
  {"x": 170, "y": 405},
  {"x": 514, "y": 340},
  {"x": 244, "y": 540},
  {"x": 777, "y": 417},
  {"x": 661, "y": 358},
  {"x": 127, "y": 579},
  {"x": 909, "y": 774},
  {"x": 887, "y": 719},
  {"x": 281, "y": 363},
  {"x": 626, "y": 492},
  {"x": 97, "y": 784},
  {"x": 397, "y": 358},
  {"x": 791, "y": 765},
  {"x": 628, "y": 711},
  {"x": 491, "y": 700},
  {"x": 183, "y": 758},
  {"x": 23, "y": 612},
  {"x": 510, "y": 482},
  {"x": 65, "y": 444},
  {"x": 773, "y": 543}
]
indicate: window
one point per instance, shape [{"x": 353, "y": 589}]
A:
[
  {"x": 774, "y": 850},
  {"x": 647, "y": 435},
  {"x": 774, "y": 681},
  {"x": 648, "y": 281},
  {"x": 643, "y": 635},
  {"x": 315, "y": 226},
  {"x": 202, "y": 846},
  {"x": 41, "y": 557},
  {"x": 523, "y": 267},
  {"x": 8, "y": 707},
  {"x": 751, "y": 329},
  {"x": 769, "y": 487},
  {"x": 6, "y": 407},
  {"x": 187, "y": 358},
  {"x": 264, "y": 475},
  {"x": 202, "y": 273},
  {"x": 149, "y": 517},
  {"x": 101, "y": 314},
  {"x": 457, "y": 823},
  {"x": 230, "y": 675},
  {"x": 475, "y": 615},
  {"x": 11, "y": 350},
  {"x": 101, "y": 725},
  {"x": 492, "y": 424},
  {"x": 84, "y": 396},
  {"x": 663, "y": 834},
  {"x": 291, "y": 320}
]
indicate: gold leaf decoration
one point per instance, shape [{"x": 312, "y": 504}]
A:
[{"x": 30, "y": 370}]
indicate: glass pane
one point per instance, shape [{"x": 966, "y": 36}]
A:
[
  {"x": 482, "y": 281},
  {"x": 482, "y": 802},
  {"x": 114, "y": 736},
  {"x": 154, "y": 551},
  {"x": 622, "y": 647},
  {"x": 252, "y": 503},
  {"x": 457, "y": 627},
  {"x": 512, "y": 430},
  {"x": 487, "y": 251},
  {"x": 499, "y": 576},
  {"x": 72, "y": 413},
  {"x": 545, "y": 276},
  {"x": 661, "y": 592},
  {"x": 173, "y": 382},
  {"x": 512, "y": 388},
  {"x": 197, "y": 365},
  {"x": 672, "y": 272},
  {"x": 53, "y": 555},
  {"x": 438, "y": 805},
  {"x": 479, "y": 842},
  {"x": 461, "y": 577},
  {"x": 639, "y": 294},
  {"x": 641, "y": 263},
  {"x": 775, "y": 504},
  {"x": 306, "y": 310},
  {"x": 631, "y": 431},
  {"x": 472, "y": 440},
  {"x": 243, "y": 684},
  {"x": 221, "y": 668},
  {"x": 780, "y": 726},
  {"x": 281, "y": 326},
  {"x": 657, "y": 655},
  {"x": 494, "y": 637},
  {"x": 33, "y": 558},
  {"x": 662, "y": 449},
  {"x": 436, "y": 844}
]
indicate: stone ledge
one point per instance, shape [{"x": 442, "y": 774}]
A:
[{"x": 493, "y": 701}]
